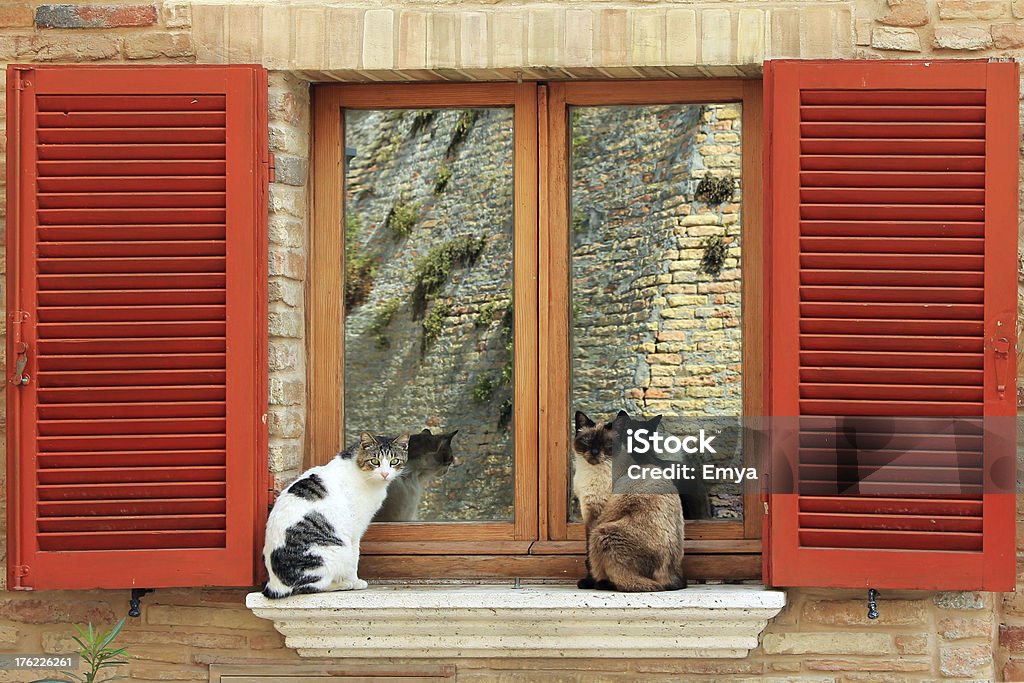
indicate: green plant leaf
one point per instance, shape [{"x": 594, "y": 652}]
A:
[
  {"x": 112, "y": 634},
  {"x": 49, "y": 680}
]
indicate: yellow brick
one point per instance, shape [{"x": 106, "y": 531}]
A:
[
  {"x": 816, "y": 40},
  {"x": 442, "y": 35},
  {"x": 474, "y": 43},
  {"x": 508, "y": 52},
  {"x": 309, "y": 37},
  {"x": 648, "y": 37},
  {"x": 579, "y": 37},
  {"x": 245, "y": 24},
  {"x": 750, "y": 39},
  {"x": 277, "y": 37},
  {"x": 378, "y": 39},
  {"x": 612, "y": 44},
  {"x": 546, "y": 37},
  {"x": 344, "y": 47},
  {"x": 716, "y": 43}
]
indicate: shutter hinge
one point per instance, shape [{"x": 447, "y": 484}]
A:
[
  {"x": 272, "y": 169},
  {"x": 20, "y": 571},
  {"x": 765, "y": 503},
  {"x": 17, "y": 319},
  {"x": 999, "y": 59},
  {"x": 272, "y": 491}
]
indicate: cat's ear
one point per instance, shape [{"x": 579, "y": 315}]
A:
[
  {"x": 654, "y": 422},
  {"x": 452, "y": 436},
  {"x": 402, "y": 441},
  {"x": 366, "y": 440},
  {"x": 425, "y": 432},
  {"x": 582, "y": 421},
  {"x": 622, "y": 413}
]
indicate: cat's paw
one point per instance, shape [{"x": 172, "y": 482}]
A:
[
  {"x": 605, "y": 585},
  {"x": 586, "y": 582},
  {"x": 359, "y": 584}
]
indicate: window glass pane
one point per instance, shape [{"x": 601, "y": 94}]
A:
[
  {"x": 655, "y": 246},
  {"x": 428, "y": 303}
]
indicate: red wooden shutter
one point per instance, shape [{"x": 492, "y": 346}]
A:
[
  {"x": 892, "y": 219},
  {"x": 136, "y": 251}
]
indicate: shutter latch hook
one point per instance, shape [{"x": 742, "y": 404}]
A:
[{"x": 872, "y": 603}]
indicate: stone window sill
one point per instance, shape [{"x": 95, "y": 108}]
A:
[{"x": 530, "y": 621}]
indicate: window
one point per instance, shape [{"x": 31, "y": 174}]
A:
[{"x": 402, "y": 169}]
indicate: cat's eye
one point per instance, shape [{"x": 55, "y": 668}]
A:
[
  {"x": 375, "y": 462},
  {"x": 395, "y": 462}
]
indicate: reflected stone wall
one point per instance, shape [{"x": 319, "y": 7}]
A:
[{"x": 653, "y": 334}]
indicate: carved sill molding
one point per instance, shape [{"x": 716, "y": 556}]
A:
[{"x": 530, "y": 621}]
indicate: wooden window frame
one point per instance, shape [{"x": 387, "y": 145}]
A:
[{"x": 540, "y": 542}]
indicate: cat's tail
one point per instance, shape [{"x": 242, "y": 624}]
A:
[{"x": 273, "y": 594}]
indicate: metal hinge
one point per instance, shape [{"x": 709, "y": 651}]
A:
[
  {"x": 21, "y": 570},
  {"x": 1000, "y": 59},
  {"x": 20, "y": 348},
  {"x": 272, "y": 169},
  {"x": 271, "y": 491},
  {"x": 765, "y": 503}
]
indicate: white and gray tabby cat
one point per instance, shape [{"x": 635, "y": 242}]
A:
[
  {"x": 430, "y": 456},
  {"x": 313, "y": 532}
]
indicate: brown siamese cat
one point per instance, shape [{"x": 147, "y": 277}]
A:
[{"x": 635, "y": 534}]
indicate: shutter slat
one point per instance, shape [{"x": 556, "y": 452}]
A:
[
  {"x": 892, "y": 245},
  {"x": 859, "y": 228},
  {"x": 133, "y": 523},
  {"x": 893, "y": 278},
  {"x": 922, "y": 98},
  {"x": 887, "y": 146},
  {"x": 132, "y": 507},
  {"x": 119, "y": 168},
  {"x": 93, "y": 152},
  {"x": 91, "y": 378},
  {"x": 822, "y": 342},
  {"x": 186, "y": 215},
  {"x": 130, "y": 394},
  {"x": 142, "y": 329},
  {"x": 176, "y": 409},
  {"x": 886, "y": 113},
  {"x": 921, "y": 131},
  {"x": 892, "y": 506},
  {"x": 141, "y": 265},
  {"x": 891, "y": 539},
  {"x": 895, "y": 195},
  {"x": 129, "y": 313},
  {"x": 902, "y": 375},
  {"x": 162, "y": 425},
  {"x": 152, "y": 345},
  {"x": 891, "y": 473},
  {"x": 132, "y": 490},
  {"x": 136, "y": 103},
  {"x": 919, "y": 212},
  {"x": 138, "y": 281},
  {"x": 131, "y": 233},
  {"x": 855, "y": 358},
  {"x": 887, "y": 522},
  {"x": 118, "y": 136},
  {"x": 132, "y": 458},
  {"x": 122, "y": 200},
  {"x": 855, "y": 293},
  {"x": 105, "y": 475},
  {"x": 886, "y": 407},
  {"x": 846, "y": 309},
  {"x": 909, "y": 161},
  {"x": 124, "y": 442},
  {"x": 918, "y": 457},
  {"x": 113, "y": 297},
  {"x": 132, "y": 540},
  {"x": 135, "y": 119},
  {"x": 878, "y": 179},
  {"x": 971, "y": 328},
  {"x": 132, "y": 361}
]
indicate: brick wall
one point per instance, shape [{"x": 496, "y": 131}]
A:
[{"x": 822, "y": 635}]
